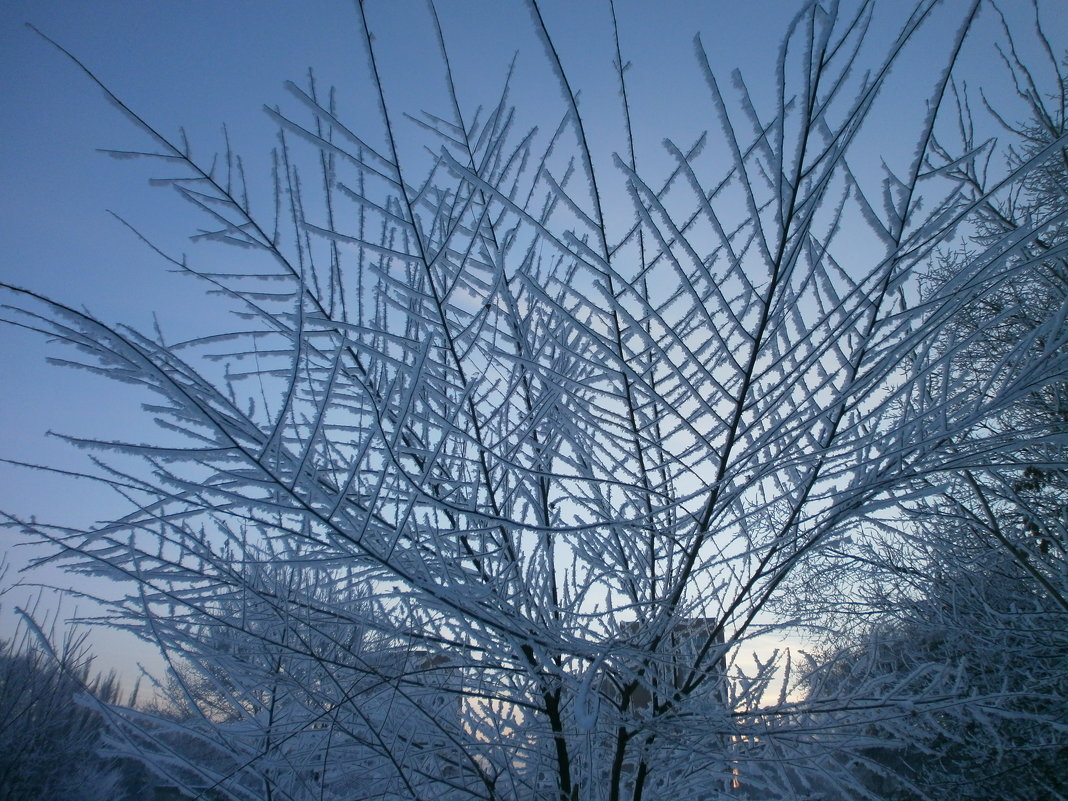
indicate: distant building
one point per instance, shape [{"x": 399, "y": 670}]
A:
[{"x": 677, "y": 666}]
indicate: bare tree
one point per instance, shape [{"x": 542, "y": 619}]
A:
[
  {"x": 572, "y": 455},
  {"x": 1020, "y": 498},
  {"x": 967, "y": 591},
  {"x": 284, "y": 692}
]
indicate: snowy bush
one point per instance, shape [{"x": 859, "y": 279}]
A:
[{"x": 515, "y": 447}]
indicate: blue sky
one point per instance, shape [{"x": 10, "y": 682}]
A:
[{"x": 200, "y": 63}]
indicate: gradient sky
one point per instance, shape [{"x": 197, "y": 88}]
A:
[{"x": 200, "y": 63}]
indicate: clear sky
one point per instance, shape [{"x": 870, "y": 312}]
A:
[{"x": 202, "y": 63}]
